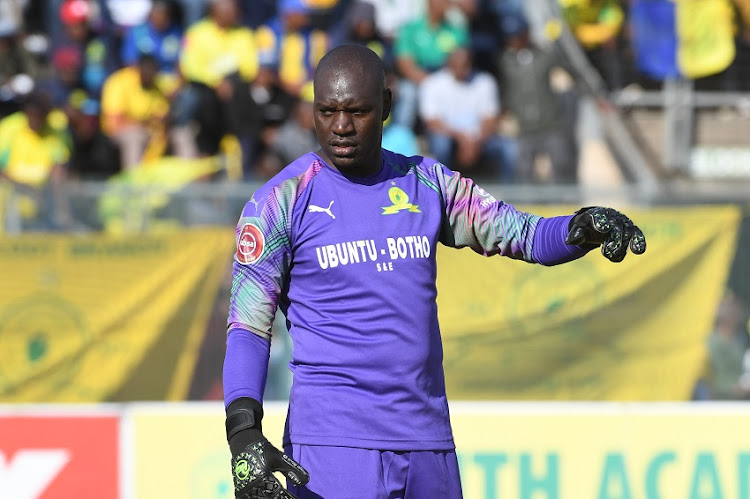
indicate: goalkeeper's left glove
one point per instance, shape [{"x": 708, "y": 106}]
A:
[
  {"x": 594, "y": 226},
  {"x": 254, "y": 459}
]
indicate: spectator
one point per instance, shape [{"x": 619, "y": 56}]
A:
[
  {"x": 392, "y": 15},
  {"x": 94, "y": 155},
  {"x": 34, "y": 149},
  {"x": 422, "y": 47},
  {"x": 159, "y": 36},
  {"x": 485, "y": 25},
  {"x": 327, "y": 15},
  {"x": 543, "y": 126},
  {"x": 11, "y": 16},
  {"x": 736, "y": 78},
  {"x": 292, "y": 41},
  {"x": 360, "y": 28},
  {"x": 19, "y": 66},
  {"x": 65, "y": 85},
  {"x": 271, "y": 106},
  {"x": 728, "y": 348},
  {"x": 295, "y": 136},
  {"x": 596, "y": 25},
  {"x": 134, "y": 110},
  {"x": 486, "y": 36},
  {"x": 218, "y": 60},
  {"x": 192, "y": 11},
  {"x": 94, "y": 50},
  {"x": 460, "y": 109},
  {"x": 124, "y": 14},
  {"x": 261, "y": 13},
  {"x": 396, "y": 136}
]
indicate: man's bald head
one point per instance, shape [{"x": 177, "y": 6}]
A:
[
  {"x": 351, "y": 103},
  {"x": 355, "y": 61}
]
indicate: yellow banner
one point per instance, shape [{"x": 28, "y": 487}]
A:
[
  {"x": 104, "y": 318},
  {"x": 198, "y": 440},
  {"x": 590, "y": 329},
  {"x": 505, "y": 450},
  {"x": 705, "y": 30},
  {"x": 590, "y": 451}
]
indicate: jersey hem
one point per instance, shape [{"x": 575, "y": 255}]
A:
[{"x": 367, "y": 443}]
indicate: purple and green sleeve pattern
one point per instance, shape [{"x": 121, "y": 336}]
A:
[{"x": 474, "y": 218}]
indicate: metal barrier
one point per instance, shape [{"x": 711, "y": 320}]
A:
[{"x": 103, "y": 206}]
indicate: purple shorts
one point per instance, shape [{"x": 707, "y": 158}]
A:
[{"x": 349, "y": 473}]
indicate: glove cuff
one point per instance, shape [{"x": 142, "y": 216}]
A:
[{"x": 243, "y": 421}]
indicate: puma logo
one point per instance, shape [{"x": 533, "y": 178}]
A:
[{"x": 319, "y": 209}]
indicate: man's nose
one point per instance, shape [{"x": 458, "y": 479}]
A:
[{"x": 342, "y": 123}]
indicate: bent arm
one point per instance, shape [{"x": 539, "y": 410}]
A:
[{"x": 260, "y": 267}]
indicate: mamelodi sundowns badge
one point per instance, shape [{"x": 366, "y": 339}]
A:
[{"x": 249, "y": 244}]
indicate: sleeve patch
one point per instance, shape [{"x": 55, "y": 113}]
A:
[{"x": 250, "y": 244}]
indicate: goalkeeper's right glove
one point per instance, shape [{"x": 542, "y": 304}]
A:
[{"x": 254, "y": 459}]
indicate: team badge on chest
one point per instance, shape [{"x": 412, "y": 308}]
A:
[{"x": 400, "y": 202}]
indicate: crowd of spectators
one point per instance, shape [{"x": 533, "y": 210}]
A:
[
  {"x": 120, "y": 83},
  {"x": 89, "y": 88}
]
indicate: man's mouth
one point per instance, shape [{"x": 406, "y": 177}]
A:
[{"x": 343, "y": 148}]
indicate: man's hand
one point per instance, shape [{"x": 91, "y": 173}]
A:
[
  {"x": 594, "y": 226},
  {"x": 254, "y": 459},
  {"x": 252, "y": 471}
]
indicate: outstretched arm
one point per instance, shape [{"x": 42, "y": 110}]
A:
[{"x": 489, "y": 226}]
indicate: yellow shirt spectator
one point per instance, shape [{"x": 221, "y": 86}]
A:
[
  {"x": 126, "y": 101},
  {"x": 593, "y": 22},
  {"x": 28, "y": 157},
  {"x": 210, "y": 53}
]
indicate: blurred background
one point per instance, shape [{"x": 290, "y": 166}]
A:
[{"x": 132, "y": 133}]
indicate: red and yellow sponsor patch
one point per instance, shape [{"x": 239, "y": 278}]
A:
[{"x": 249, "y": 244}]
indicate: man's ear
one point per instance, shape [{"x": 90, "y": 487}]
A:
[{"x": 387, "y": 99}]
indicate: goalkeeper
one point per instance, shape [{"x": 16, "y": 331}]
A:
[{"x": 344, "y": 241}]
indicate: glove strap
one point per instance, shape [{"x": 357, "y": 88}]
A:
[
  {"x": 240, "y": 419},
  {"x": 243, "y": 414}
]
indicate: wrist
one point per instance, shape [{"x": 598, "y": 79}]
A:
[{"x": 243, "y": 423}]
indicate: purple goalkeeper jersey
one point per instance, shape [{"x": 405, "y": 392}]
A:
[{"x": 351, "y": 263}]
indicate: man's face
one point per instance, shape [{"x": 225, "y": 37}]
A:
[
  {"x": 225, "y": 13},
  {"x": 77, "y": 31},
  {"x": 349, "y": 111},
  {"x": 160, "y": 17},
  {"x": 438, "y": 7},
  {"x": 148, "y": 71},
  {"x": 459, "y": 63},
  {"x": 36, "y": 117}
]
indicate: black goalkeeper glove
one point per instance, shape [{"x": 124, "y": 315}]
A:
[
  {"x": 254, "y": 459},
  {"x": 594, "y": 226}
]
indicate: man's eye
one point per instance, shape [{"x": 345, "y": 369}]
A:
[{"x": 326, "y": 112}]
